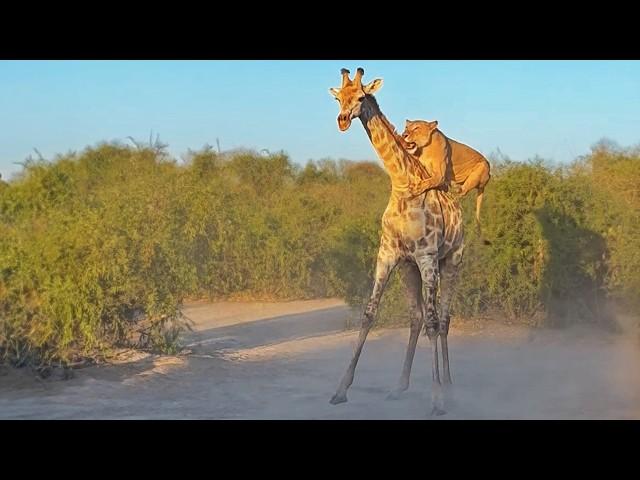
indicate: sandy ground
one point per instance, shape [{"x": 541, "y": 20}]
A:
[{"x": 284, "y": 361}]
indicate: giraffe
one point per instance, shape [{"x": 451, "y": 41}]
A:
[{"x": 422, "y": 233}]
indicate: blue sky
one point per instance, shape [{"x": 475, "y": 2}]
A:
[{"x": 554, "y": 109}]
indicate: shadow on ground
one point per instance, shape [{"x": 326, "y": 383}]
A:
[{"x": 287, "y": 366}]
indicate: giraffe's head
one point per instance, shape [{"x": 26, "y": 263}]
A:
[
  {"x": 417, "y": 134},
  {"x": 351, "y": 94}
]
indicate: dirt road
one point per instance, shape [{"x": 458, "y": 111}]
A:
[{"x": 284, "y": 361}]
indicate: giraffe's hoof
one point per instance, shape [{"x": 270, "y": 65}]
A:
[
  {"x": 436, "y": 411},
  {"x": 337, "y": 399}
]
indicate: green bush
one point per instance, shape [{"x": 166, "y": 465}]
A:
[
  {"x": 99, "y": 249},
  {"x": 565, "y": 245}
]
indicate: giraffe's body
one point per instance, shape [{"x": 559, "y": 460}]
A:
[
  {"x": 411, "y": 224},
  {"x": 422, "y": 233}
]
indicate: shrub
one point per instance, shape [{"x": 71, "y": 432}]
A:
[{"x": 99, "y": 249}]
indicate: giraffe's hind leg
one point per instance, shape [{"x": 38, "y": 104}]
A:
[
  {"x": 413, "y": 287},
  {"x": 428, "y": 263},
  {"x": 450, "y": 269}
]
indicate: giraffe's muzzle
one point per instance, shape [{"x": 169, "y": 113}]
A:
[{"x": 344, "y": 121}]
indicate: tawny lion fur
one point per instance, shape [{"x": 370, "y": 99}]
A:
[{"x": 446, "y": 161}]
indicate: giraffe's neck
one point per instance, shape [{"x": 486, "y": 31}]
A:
[{"x": 397, "y": 161}]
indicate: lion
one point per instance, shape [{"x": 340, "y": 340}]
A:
[{"x": 447, "y": 161}]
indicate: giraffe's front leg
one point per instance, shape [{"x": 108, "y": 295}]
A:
[{"x": 385, "y": 264}]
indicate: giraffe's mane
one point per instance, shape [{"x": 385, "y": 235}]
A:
[
  {"x": 383, "y": 117},
  {"x": 412, "y": 160}
]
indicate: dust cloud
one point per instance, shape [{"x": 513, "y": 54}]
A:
[{"x": 284, "y": 361}]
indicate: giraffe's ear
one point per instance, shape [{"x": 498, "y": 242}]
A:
[
  {"x": 334, "y": 92},
  {"x": 373, "y": 87},
  {"x": 433, "y": 125}
]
